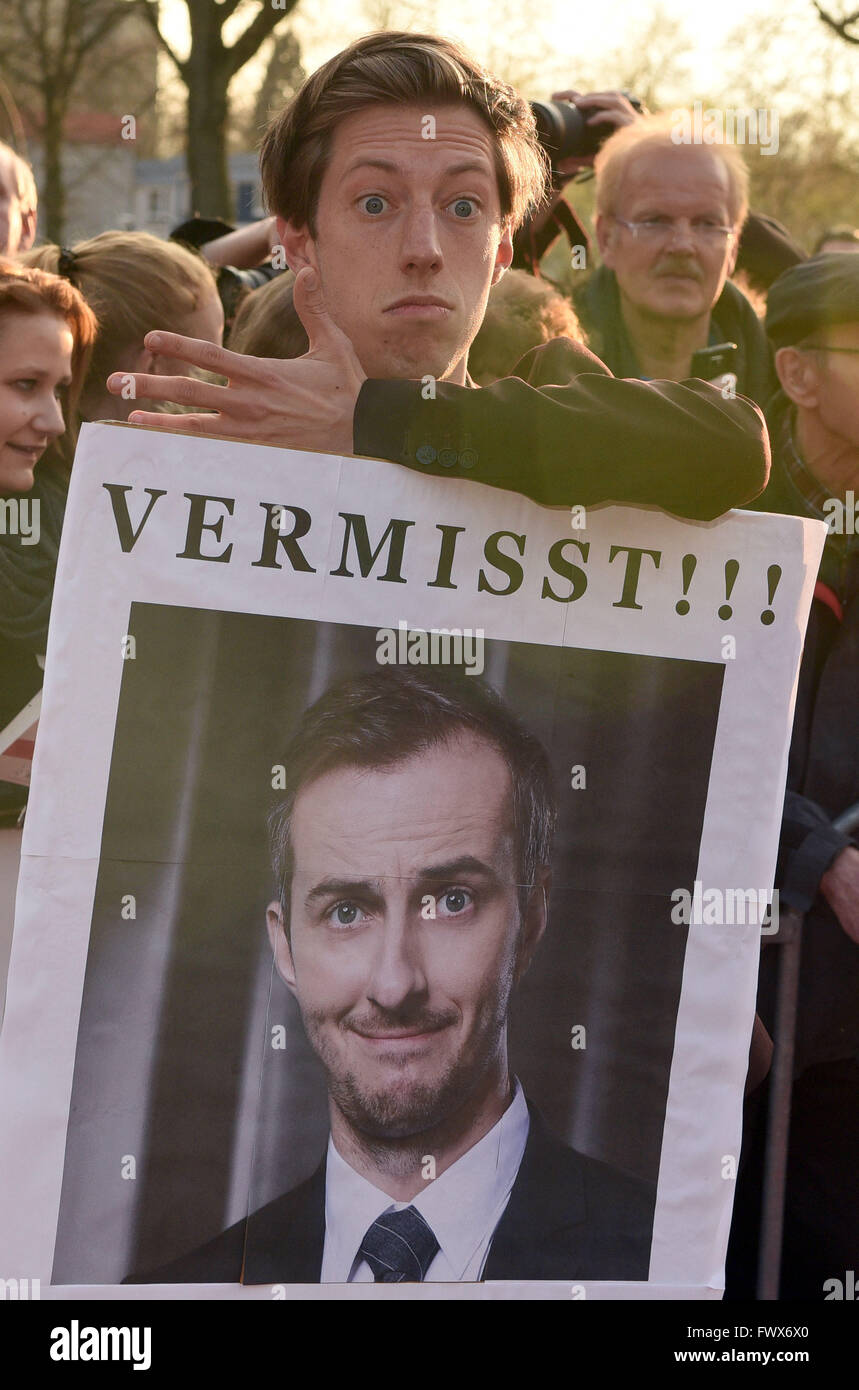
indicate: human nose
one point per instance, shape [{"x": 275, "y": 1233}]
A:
[
  {"x": 49, "y": 416},
  {"x": 680, "y": 234},
  {"x": 398, "y": 969},
  {"x": 421, "y": 247}
]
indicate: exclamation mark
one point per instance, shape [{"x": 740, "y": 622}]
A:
[
  {"x": 689, "y": 563},
  {"x": 773, "y": 577},
  {"x": 732, "y": 569}
]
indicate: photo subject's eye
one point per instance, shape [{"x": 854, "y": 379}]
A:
[
  {"x": 464, "y": 208},
  {"x": 454, "y": 901},
  {"x": 345, "y": 914},
  {"x": 373, "y": 203}
]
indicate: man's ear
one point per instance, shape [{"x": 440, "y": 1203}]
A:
[
  {"x": 298, "y": 245},
  {"x": 799, "y": 376},
  {"x": 503, "y": 256},
  {"x": 280, "y": 945},
  {"x": 534, "y": 922},
  {"x": 28, "y": 229},
  {"x": 605, "y": 239}
]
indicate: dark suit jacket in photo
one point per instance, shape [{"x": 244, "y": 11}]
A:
[{"x": 569, "y": 1217}]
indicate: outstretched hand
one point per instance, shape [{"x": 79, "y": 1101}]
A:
[{"x": 300, "y": 403}]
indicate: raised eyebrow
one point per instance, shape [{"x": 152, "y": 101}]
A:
[
  {"x": 466, "y": 864},
  {"x": 342, "y": 888},
  {"x": 389, "y": 167}
]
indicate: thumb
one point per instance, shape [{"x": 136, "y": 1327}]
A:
[{"x": 309, "y": 301}]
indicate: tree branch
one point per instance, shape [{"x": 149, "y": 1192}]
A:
[
  {"x": 88, "y": 41},
  {"x": 150, "y": 9},
  {"x": 248, "y": 42},
  {"x": 840, "y": 26}
]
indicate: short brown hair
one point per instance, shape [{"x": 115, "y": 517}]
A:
[
  {"x": 400, "y": 69},
  {"x": 383, "y": 719}
]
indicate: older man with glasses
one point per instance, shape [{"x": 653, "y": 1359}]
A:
[{"x": 669, "y": 216}]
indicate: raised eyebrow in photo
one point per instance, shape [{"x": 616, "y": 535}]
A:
[
  {"x": 465, "y": 866},
  {"x": 343, "y": 888}
]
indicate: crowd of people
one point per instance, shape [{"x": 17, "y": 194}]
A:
[{"x": 658, "y": 380}]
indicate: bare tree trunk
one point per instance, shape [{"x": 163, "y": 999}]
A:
[
  {"x": 211, "y": 195},
  {"x": 53, "y": 199}
]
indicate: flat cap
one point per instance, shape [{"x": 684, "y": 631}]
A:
[{"x": 821, "y": 291}]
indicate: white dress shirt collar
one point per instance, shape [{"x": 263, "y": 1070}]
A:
[{"x": 462, "y": 1206}]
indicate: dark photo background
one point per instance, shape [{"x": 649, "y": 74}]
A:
[{"x": 180, "y": 1107}]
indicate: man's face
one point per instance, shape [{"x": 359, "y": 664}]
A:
[
  {"x": 405, "y": 933},
  {"x": 679, "y": 275},
  {"x": 836, "y": 382},
  {"x": 405, "y": 218}
]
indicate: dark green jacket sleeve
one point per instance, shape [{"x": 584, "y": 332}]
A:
[{"x": 563, "y": 431}]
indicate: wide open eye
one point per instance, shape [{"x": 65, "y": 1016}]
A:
[
  {"x": 454, "y": 901},
  {"x": 373, "y": 203},
  {"x": 345, "y": 914}
]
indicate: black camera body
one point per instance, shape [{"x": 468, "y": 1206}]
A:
[{"x": 564, "y": 133}]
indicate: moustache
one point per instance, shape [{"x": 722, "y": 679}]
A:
[
  {"x": 394, "y": 1021},
  {"x": 686, "y": 268}
]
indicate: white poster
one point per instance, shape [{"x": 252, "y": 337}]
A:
[{"x": 394, "y": 875}]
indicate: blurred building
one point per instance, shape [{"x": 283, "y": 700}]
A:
[{"x": 162, "y": 193}]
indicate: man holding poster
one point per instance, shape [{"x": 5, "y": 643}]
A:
[
  {"x": 402, "y": 938},
  {"x": 192, "y": 1083},
  {"x": 399, "y": 174}
]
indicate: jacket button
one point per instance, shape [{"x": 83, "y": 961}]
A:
[
  {"x": 447, "y": 458},
  {"x": 425, "y": 454},
  {"x": 468, "y": 458}
]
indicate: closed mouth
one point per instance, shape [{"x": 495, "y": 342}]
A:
[
  {"x": 31, "y": 450},
  {"x": 418, "y": 303}
]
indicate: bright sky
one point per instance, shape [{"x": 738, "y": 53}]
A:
[
  {"x": 578, "y": 32},
  {"x": 556, "y": 39}
]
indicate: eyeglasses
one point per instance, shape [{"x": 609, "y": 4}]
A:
[{"x": 657, "y": 231}]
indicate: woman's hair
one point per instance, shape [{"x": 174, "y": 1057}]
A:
[
  {"x": 267, "y": 325},
  {"x": 398, "y": 68},
  {"x": 521, "y": 314},
  {"x": 26, "y": 290},
  {"x": 135, "y": 283}
]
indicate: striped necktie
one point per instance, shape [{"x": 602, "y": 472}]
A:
[{"x": 399, "y": 1247}]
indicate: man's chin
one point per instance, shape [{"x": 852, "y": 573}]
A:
[
  {"x": 412, "y": 365},
  {"x": 401, "y": 1111},
  {"x": 680, "y": 300}
]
